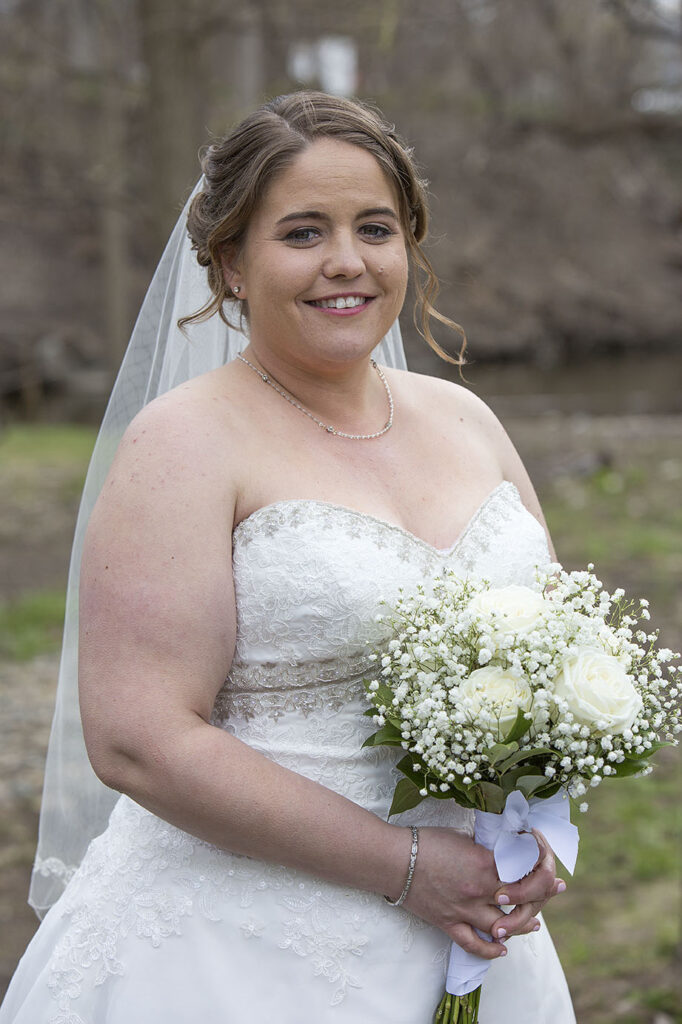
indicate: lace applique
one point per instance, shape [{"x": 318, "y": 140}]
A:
[
  {"x": 55, "y": 867},
  {"x": 297, "y": 514},
  {"x": 269, "y": 676},
  {"x": 480, "y": 533},
  {"x": 274, "y": 703},
  {"x": 144, "y": 876},
  {"x": 275, "y": 690}
]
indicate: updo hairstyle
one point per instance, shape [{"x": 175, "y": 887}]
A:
[{"x": 239, "y": 169}]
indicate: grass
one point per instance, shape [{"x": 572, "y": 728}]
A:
[
  {"x": 42, "y": 469},
  {"x": 31, "y": 625},
  {"x": 53, "y": 445},
  {"x": 618, "y": 927}
]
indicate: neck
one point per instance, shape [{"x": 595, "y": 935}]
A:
[{"x": 348, "y": 396}]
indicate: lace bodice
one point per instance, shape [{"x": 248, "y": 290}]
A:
[{"x": 310, "y": 578}]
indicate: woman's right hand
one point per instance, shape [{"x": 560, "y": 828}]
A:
[{"x": 456, "y": 888}]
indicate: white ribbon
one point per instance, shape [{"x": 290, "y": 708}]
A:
[{"x": 516, "y": 852}]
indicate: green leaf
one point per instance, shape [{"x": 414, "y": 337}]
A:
[
  {"x": 384, "y": 695},
  {"x": 548, "y": 791},
  {"x": 405, "y": 766},
  {"x": 465, "y": 799},
  {"x": 459, "y": 785},
  {"x": 500, "y": 751},
  {"x": 386, "y": 736},
  {"x": 509, "y": 779},
  {"x": 448, "y": 795},
  {"x": 492, "y": 797},
  {"x": 519, "y": 728},
  {"x": 630, "y": 766},
  {"x": 522, "y": 755},
  {"x": 406, "y": 797},
  {"x": 656, "y": 745},
  {"x": 528, "y": 784}
]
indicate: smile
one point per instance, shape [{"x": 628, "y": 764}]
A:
[{"x": 343, "y": 303}]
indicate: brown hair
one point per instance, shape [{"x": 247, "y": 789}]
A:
[{"x": 239, "y": 168}]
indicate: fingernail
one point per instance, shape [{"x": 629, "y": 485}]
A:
[
  {"x": 503, "y": 900},
  {"x": 561, "y": 887},
  {"x": 503, "y": 951},
  {"x": 501, "y": 933},
  {"x": 536, "y": 928}
]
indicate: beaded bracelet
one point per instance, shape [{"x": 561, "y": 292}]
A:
[{"x": 410, "y": 871}]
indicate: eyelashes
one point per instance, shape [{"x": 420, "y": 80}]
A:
[
  {"x": 302, "y": 236},
  {"x": 307, "y": 236}
]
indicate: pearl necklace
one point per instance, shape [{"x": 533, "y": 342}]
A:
[{"x": 267, "y": 379}]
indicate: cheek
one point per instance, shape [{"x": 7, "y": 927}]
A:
[
  {"x": 397, "y": 272},
  {"x": 291, "y": 277},
  {"x": 397, "y": 266},
  {"x": 389, "y": 264}
]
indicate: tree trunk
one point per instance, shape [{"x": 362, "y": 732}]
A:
[
  {"x": 175, "y": 105},
  {"x": 112, "y": 175}
]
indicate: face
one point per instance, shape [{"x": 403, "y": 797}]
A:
[{"x": 324, "y": 264}]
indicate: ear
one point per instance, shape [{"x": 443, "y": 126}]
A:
[{"x": 232, "y": 271}]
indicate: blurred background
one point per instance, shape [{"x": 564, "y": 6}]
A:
[{"x": 551, "y": 134}]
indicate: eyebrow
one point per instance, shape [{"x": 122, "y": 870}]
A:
[{"x": 373, "y": 211}]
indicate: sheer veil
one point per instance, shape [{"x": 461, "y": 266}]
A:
[{"x": 76, "y": 805}]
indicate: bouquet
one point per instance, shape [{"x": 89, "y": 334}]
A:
[{"x": 511, "y": 701}]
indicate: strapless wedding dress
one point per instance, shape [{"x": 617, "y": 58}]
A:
[{"x": 158, "y": 927}]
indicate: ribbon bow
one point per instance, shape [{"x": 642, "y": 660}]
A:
[{"x": 508, "y": 834}]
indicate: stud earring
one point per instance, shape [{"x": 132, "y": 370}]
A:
[{"x": 236, "y": 289}]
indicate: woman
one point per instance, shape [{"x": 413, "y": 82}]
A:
[{"x": 252, "y": 521}]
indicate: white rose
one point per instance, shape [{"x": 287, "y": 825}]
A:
[
  {"x": 496, "y": 691},
  {"x": 515, "y": 609},
  {"x": 596, "y": 687}
]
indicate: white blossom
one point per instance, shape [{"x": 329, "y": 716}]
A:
[{"x": 449, "y": 630}]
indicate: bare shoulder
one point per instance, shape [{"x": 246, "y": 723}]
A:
[
  {"x": 170, "y": 487},
  {"x": 186, "y": 426},
  {"x": 451, "y": 406},
  {"x": 446, "y": 399}
]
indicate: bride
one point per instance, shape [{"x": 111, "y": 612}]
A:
[{"x": 251, "y": 522}]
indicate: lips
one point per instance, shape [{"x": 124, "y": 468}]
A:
[{"x": 341, "y": 302}]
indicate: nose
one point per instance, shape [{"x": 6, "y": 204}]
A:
[{"x": 343, "y": 257}]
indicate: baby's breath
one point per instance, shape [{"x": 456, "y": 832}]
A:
[{"x": 523, "y": 727}]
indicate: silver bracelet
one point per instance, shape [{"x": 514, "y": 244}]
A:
[{"x": 410, "y": 871}]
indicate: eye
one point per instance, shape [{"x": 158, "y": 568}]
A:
[
  {"x": 302, "y": 236},
  {"x": 376, "y": 232}
]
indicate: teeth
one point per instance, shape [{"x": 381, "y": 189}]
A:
[{"x": 341, "y": 303}]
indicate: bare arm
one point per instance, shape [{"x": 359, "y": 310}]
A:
[{"x": 157, "y": 639}]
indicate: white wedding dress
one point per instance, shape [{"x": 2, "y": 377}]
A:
[{"x": 158, "y": 927}]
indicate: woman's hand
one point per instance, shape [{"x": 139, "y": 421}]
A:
[
  {"x": 456, "y": 888},
  {"x": 526, "y": 894}
]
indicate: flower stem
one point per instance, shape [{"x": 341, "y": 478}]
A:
[{"x": 458, "y": 1009}]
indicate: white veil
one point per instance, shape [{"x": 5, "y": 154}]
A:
[{"x": 76, "y": 805}]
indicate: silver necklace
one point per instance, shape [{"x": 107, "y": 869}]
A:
[{"x": 267, "y": 379}]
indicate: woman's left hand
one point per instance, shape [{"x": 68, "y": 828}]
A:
[{"x": 516, "y": 894}]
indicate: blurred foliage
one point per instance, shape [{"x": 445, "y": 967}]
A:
[
  {"x": 51, "y": 444},
  {"x": 620, "y": 919},
  {"x": 32, "y": 625},
  {"x": 549, "y": 133}
]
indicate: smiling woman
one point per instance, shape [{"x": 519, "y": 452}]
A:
[
  {"x": 324, "y": 284},
  {"x": 252, "y": 521},
  {"x": 239, "y": 168}
]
